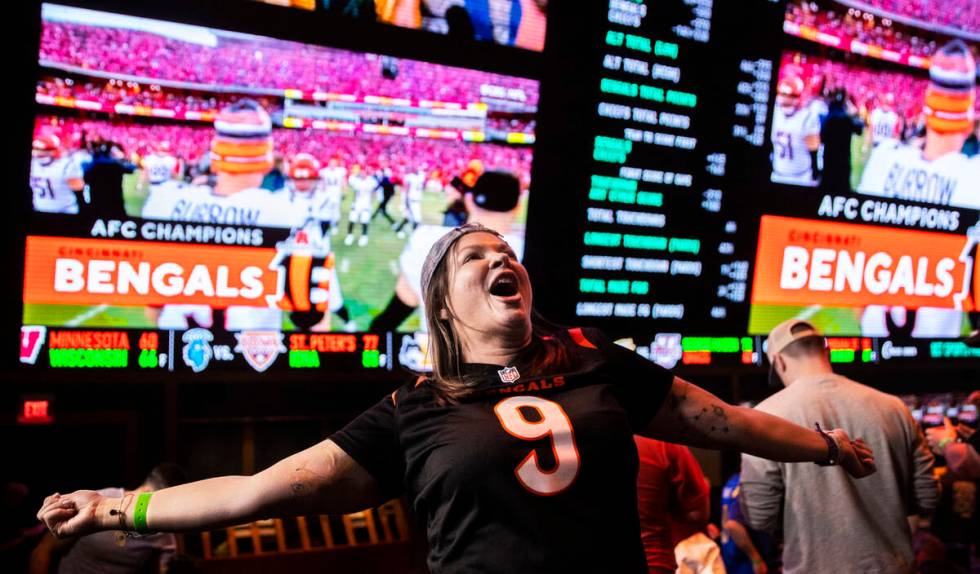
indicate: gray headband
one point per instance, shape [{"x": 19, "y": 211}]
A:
[{"x": 439, "y": 249}]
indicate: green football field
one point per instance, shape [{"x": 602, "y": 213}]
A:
[
  {"x": 367, "y": 274},
  {"x": 830, "y": 320}
]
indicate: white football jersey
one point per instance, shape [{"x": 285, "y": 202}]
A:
[
  {"x": 49, "y": 184},
  {"x": 900, "y": 172},
  {"x": 417, "y": 249},
  {"x": 81, "y": 157},
  {"x": 414, "y": 184},
  {"x": 334, "y": 176},
  {"x": 883, "y": 125},
  {"x": 818, "y": 107},
  {"x": 159, "y": 167},
  {"x": 364, "y": 187},
  {"x": 175, "y": 201},
  {"x": 412, "y": 196},
  {"x": 791, "y": 160},
  {"x": 305, "y": 208},
  {"x": 331, "y": 193}
]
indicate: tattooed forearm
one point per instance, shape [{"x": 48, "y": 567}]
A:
[
  {"x": 693, "y": 416},
  {"x": 720, "y": 420}
]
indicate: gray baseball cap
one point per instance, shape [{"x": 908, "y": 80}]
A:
[{"x": 441, "y": 247}]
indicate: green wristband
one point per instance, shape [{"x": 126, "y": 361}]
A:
[{"x": 139, "y": 512}]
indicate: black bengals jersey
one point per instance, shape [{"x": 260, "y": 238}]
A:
[{"x": 534, "y": 475}]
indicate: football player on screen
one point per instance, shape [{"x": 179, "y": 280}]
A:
[
  {"x": 884, "y": 125},
  {"x": 308, "y": 251},
  {"x": 493, "y": 202},
  {"x": 364, "y": 187},
  {"x": 241, "y": 155},
  {"x": 412, "y": 200},
  {"x": 159, "y": 166},
  {"x": 56, "y": 181},
  {"x": 795, "y": 136},
  {"x": 933, "y": 171},
  {"x": 333, "y": 180}
]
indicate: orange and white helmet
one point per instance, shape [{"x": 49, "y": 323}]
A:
[
  {"x": 304, "y": 167},
  {"x": 790, "y": 86},
  {"x": 46, "y": 146},
  {"x": 788, "y": 91},
  {"x": 243, "y": 139},
  {"x": 951, "y": 93}
]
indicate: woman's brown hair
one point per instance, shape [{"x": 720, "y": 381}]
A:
[{"x": 447, "y": 378}]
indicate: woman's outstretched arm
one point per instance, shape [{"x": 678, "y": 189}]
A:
[
  {"x": 692, "y": 416},
  {"x": 322, "y": 479}
]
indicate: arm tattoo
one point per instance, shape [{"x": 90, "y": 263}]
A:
[
  {"x": 715, "y": 420},
  {"x": 721, "y": 420},
  {"x": 304, "y": 481}
]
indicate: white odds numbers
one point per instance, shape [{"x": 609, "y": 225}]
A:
[{"x": 553, "y": 423}]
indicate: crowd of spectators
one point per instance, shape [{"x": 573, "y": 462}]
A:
[
  {"x": 960, "y": 14},
  {"x": 255, "y": 63},
  {"x": 869, "y": 28},
  {"x": 190, "y": 143},
  {"x": 863, "y": 85}
]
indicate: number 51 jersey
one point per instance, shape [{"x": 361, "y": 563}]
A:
[{"x": 533, "y": 475}]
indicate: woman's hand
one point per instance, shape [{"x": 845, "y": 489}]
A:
[
  {"x": 74, "y": 514},
  {"x": 856, "y": 456}
]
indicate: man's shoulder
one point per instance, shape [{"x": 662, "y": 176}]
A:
[
  {"x": 881, "y": 398},
  {"x": 847, "y": 393},
  {"x": 777, "y": 402}
]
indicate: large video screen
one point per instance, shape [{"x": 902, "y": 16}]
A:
[
  {"x": 749, "y": 162},
  {"x": 209, "y": 199},
  {"x": 876, "y": 116}
]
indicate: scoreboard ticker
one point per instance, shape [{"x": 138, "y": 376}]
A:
[{"x": 198, "y": 350}]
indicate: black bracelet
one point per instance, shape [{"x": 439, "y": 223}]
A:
[
  {"x": 121, "y": 513},
  {"x": 833, "y": 451}
]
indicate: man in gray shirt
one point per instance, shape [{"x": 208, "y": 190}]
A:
[{"x": 831, "y": 522}]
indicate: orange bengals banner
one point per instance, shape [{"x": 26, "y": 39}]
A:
[
  {"x": 811, "y": 262},
  {"x": 70, "y": 271}
]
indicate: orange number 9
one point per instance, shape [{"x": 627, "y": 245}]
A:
[{"x": 553, "y": 423}]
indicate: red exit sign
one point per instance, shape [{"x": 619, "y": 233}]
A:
[{"x": 35, "y": 411}]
